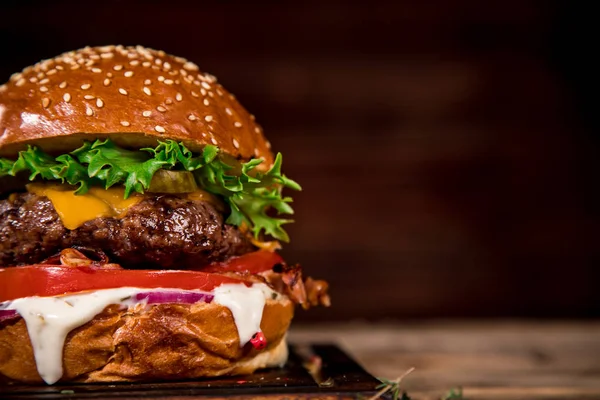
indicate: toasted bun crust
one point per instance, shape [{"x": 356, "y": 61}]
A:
[
  {"x": 169, "y": 341},
  {"x": 133, "y": 95}
]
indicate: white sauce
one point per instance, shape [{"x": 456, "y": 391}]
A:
[
  {"x": 50, "y": 319},
  {"x": 246, "y": 304}
]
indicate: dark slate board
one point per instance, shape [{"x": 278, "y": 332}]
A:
[{"x": 340, "y": 377}]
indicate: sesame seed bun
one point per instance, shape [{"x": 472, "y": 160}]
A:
[{"x": 133, "y": 95}]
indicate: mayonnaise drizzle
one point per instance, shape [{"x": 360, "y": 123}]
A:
[{"x": 50, "y": 319}]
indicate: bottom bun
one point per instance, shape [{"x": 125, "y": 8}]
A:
[{"x": 166, "y": 341}]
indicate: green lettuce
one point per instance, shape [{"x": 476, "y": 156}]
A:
[{"x": 250, "y": 194}]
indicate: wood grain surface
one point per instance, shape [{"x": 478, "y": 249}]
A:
[{"x": 490, "y": 359}]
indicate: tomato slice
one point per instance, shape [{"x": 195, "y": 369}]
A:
[
  {"x": 253, "y": 263},
  {"x": 43, "y": 280}
]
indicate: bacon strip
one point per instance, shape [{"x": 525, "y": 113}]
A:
[{"x": 306, "y": 292}]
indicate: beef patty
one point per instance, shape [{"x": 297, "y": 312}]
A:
[{"x": 161, "y": 231}]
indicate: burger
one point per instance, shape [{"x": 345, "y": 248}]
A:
[{"x": 141, "y": 210}]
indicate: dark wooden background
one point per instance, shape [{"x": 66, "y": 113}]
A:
[{"x": 447, "y": 149}]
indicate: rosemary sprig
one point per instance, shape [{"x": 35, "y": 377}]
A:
[
  {"x": 392, "y": 386},
  {"x": 454, "y": 394}
]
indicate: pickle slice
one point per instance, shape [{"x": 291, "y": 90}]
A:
[{"x": 165, "y": 181}]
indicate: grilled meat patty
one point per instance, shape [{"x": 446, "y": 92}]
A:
[{"x": 161, "y": 231}]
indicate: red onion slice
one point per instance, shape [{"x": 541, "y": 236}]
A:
[
  {"x": 8, "y": 314},
  {"x": 173, "y": 297}
]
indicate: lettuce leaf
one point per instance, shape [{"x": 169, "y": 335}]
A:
[{"x": 253, "y": 196}]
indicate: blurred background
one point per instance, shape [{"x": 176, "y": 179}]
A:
[{"x": 448, "y": 150}]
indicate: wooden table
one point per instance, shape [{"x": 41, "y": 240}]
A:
[{"x": 490, "y": 359}]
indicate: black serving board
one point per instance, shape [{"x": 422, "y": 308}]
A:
[{"x": 339, "y": 377}]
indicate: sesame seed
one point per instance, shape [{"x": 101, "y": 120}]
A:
[
  {"x": 89, "y": 97},
  {"x": 161, "y": 78},
  {"x": 128, "y": 74},
  {"x": 109, "y": 74},
  {"x": 51, "y": 72},
  {"x": 178, "y": 97},
  {"x": 156, "y": 67},
  {"x": 190, "y": 66},
  {"x": 85, "y": 86},
  {"x": 213, "y": 141},
  {"x": 33, "y": 80},
  {"x": 268, "y": 144},
  {"x": 159, "y": 129},
  {"x": 169, "y": 101},
  {"x": 40, "y": 75},
  {"x": 236, "y": 144},
  {"x": 147, "y": 82},
  {"x": 106, "y": 82},
  {"x": 220, "y": 93},
  {"x": 147, "y": 91},
  {"x": 125, "y": 123},
  {"x": 134, "y": 62},
  {"x": 96, "y": 70},
  {"x": 167, "y": 66},
  {"x": 203, "y": 91},
  {"x": 257, "y": 129},
  {"x": 208, "y": 118},
  {"x": 204, "y": 134},
  {"x": 107, "y": 55},
  {"x": 147, "y": 113},
  {"x": 237, "y": 124},
  {"x": 192, "y": 117},
  {"x": 158, "y": 61},
  {"x": 45, "y": 102},
  {"x": 183, "y": 72},
  {"x": 195, "y": 94},
  {"x": 161, "y": 109},
  {"x": 67, "y": 97},
  {"x": 44, "y": 81},
  {"x": 118, "y": 67},
  {"x": 60, "y": 67},
  {"x": 20, "y": 82},
  {"x": 123, "y": 91},
  {"x": 206, "y": 103},
  {"x": 94, "y": 57},
  {"x": 146, "y": 64},
  {"x": 89, "y": 111},
  {"x": 206, "y": 86},
  {"x": 168, "y": 81},
  {"x": 211, "y": 94},
  {"x": 43, "y": 89},
  {"x": 256, "y": 152},
  {"x": 99, "y": 103},
  {"x": 228, "y": 111}
]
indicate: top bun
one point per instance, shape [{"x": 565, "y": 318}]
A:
[{"x": 133, "y": 95}]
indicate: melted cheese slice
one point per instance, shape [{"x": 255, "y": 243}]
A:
[{"x": 74, "y": 210}]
